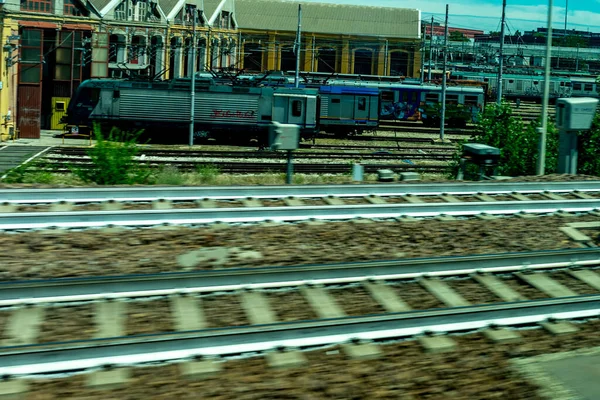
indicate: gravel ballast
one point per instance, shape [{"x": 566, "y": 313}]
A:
[
  {"x": 35, "y": 255},
  {"x": 478, "y": 369}
]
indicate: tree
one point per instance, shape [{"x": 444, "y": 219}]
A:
[{"x": 456, "y": 36}]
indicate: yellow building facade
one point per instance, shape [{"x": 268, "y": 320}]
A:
[{"x": 51, "y": 46}]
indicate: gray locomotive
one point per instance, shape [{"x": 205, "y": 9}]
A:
[{"x": 221, "y": 111}]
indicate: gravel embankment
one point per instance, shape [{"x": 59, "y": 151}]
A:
[
  {"x": 96, "y": 252},
  {"x": 477, "y": 370}
]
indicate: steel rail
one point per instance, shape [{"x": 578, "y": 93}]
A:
[
  {"x": 88, "y": 354},
  {"x": 20, "y": 293},
  {"x": 92, "y": 219},
  {"x": 149, "y": 193}
]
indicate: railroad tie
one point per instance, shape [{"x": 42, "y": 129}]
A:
[
  {"x": 375, "y": 199},
  {"x": 162, "y": 204},
  {"x": 589, "y": 277},
  {"x": 484, "y": 197},
  {"x": 23, "y": 326},
  {"x": 252, "y": 202},
  {"x": 110, "y": 322},
  {"x": 293, "y": 202},
  {"x": 412, "y": 198},
  {"x": 62, "y": 206},
  {"x": 552, "y": 288},
  {"x": 499, "y": 288},
  {"x": 386, "y": 296},
  {"x": 552, "y": 196},
  {"x": 447, "y": 295},
  {"x": 259, "y": 311},
  {"x": 519, "y": 196},
  {"x": 188, "y": 313},
  {"x": 326, "y": 307},
  {"x": 448, "y": 198},
  {"x": 545, "y": 284},
  {"x": 257, "y": 308},
  {"x": 333, "y": 201},
  {"x": 13, "y": 389}
]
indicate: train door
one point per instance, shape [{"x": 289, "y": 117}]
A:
[
  {"x": 335, "y": 107},
  {"x": 296, "y": 110},
  {"x": 59, "y": 109},
  {"x": 361, "y": 108}
]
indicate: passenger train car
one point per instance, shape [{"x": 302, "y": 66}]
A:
[
  {"x": 400, "y": 101},
  {"x": 585, "y": 87},
  {"x": 220, "y": 110},
  {"x": 525, "y": 87}
]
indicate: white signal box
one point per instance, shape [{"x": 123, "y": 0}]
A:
[
  {"x": 575, "y": 114},
  {"x": 284, "y": 136}
]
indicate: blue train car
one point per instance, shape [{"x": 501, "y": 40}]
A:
[{"x": 349, "y": 110}]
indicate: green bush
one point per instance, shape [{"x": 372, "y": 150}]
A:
[
  {"x": 32, "y": 172},
  {"x": 113, "y": 159},
  {"x": 208, "y": 173},
  {"x": 169, "y": 175},
  {"x": 518, "y": 144},
  {"x": 589, "y": 148}
]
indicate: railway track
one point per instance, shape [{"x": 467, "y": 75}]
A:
[
  {"x": 256, "y": 204},
  {"x": 78, "y": 155},
  {"x": 261, "y": 167},
  {"x": 453, "y": 308}
]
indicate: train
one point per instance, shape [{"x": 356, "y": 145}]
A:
[
  {"x": 343, "y": 99},
  {"x": 221, "y": 111}
]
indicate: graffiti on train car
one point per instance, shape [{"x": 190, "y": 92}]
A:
[{"x": 233, "y": 114}]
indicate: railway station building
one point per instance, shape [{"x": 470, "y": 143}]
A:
[{"x": 51, "y": 46}]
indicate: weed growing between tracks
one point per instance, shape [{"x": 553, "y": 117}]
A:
[{"x": 113, "y": 159}]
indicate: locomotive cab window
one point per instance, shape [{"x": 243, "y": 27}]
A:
[
  {"x": 471, "y": 100},
  {"x": 297, "y": 108},
  {"x": 588, "y": 87},
  {"x": 577, "y": 86},
  {"x": 116, "y": 94},
  {"x": 335, "y": 101},
  {"x": 362, "y": 103}
]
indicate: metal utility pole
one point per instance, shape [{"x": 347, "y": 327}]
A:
[
  {"x": 193, "y": 83},
  {"x": 298, "y": 47},
  {"x": 566, "y": 14},
  {"x": 444, "y": 78},
  {"x": 541, "y": 164},
  {"x": 423, "y": 55},
  {"x": 501, "y": 57},
  {"x": 430, "y": 49}
]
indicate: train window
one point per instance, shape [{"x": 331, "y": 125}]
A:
[
  {"x": 451, "y": 99},
  {"x": 362, "y": 103},
  {"x": 116, "y": 94},
  {"x": 432, "y": 97},
  {"x": 405, "y": 97},
  {"x": 414, "y": 97},
  {"x": 486, "y": 79},
  {"x": 589, "y": 87},
  {"x": 535, "y": 82},
  {"x": 577, "y": 86},
  {"x": 387, "y": 96},
  {"x": 335, "y": 101},
  {"x": 471, "y": 100},
  {"x": 297, "y": 108},
  {"x": 511, "y": 81},
  {"x": 562, "y": 84}
]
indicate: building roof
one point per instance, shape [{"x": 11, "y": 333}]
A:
[
  {"x": 99, "y": 4},
  {"x": 325, "y": 18}
]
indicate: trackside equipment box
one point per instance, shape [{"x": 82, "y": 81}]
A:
[
  {"x": 481, "y": 153},
  {"x": 575, "y": 114},
  {"x": 284, "y": 136}
]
